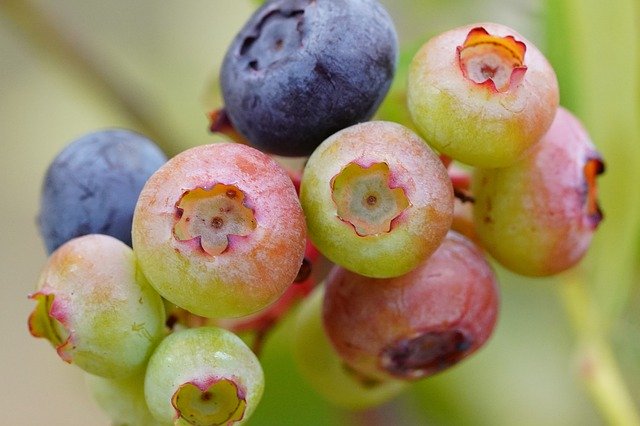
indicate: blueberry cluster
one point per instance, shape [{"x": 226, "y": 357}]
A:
[{"x": 155, "y": 265}]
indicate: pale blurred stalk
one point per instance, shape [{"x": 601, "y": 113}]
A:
[
  {"x": 42, "y": 34},
  {"x": 594, "y": 47},
  {"x": 597, "y": 367}
]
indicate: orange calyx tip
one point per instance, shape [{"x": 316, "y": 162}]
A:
[
  {"x": 46, "y": 322},
  {"x": 594, "y": 166},
  {"x": 210, "y": 216},
  {"x": 220, "y": 403},
  {"x": 219, "y": 122},
  {"x": 365, "y": 199},
  {"x": 496, "y": 62}
]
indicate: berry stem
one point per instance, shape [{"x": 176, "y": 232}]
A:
[{"x": 598, "y": 368}]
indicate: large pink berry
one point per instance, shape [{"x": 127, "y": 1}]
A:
[
  {"x": 538, "y": 216},
  {"x": 418, "y": 324},
  {"x": 481, "y": 94},
  {"x": 219, "y": 230}
]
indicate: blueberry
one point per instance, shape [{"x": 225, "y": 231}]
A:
[
  {"x": 92, "y": 186},
  {"x": 300, "y": 70}
]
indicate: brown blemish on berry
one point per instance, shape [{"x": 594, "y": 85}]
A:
[
  {"x": 497, "y": 62},
  {"x": 217, "y": 222},
  {"x": 594, "y": 166},
  {"x": 424, "y": 354},
  {"x": 364, "y": 198},
  {"x": 210, "y": 216},
  {"x": 171, "y": 321}
]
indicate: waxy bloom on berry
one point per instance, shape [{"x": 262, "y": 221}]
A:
[{"x": 481, "y": 94}]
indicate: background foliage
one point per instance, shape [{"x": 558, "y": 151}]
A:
[{"x": 566, "y": 349}]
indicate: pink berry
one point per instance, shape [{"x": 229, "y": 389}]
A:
[
  {"x": 219, "y": 230},
  {"x": 537, "y": 217},
  {"x": 482, "y": 94},
  {"x": 418, "y": 324}
]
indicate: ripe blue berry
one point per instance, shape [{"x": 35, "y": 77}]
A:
[
  {"x": 300, "y": 70},
  {"x": 91, "y": 187}
]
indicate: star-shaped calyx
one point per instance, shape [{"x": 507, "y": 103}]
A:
[
  {"x": 497, "y": 62},
  {"x": 211, "y": 215},
  {"x": 220, "y": 403},
  {"x": 365, "y": 199}
]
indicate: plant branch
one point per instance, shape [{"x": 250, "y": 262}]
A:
[
  {"x": 42, "y": 33},
  {"x": 598, "y": 368}
]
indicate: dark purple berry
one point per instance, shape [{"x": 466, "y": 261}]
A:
[
  {"x": 300, "y": 70},
  {"x": 92, "y": 186}
]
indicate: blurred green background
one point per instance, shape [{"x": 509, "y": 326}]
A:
[{"x": 71, "y": 66}]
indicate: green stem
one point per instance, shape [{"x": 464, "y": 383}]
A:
[
  {"x": 598, "y": 368},
  {"x": 594, "y": 47}
]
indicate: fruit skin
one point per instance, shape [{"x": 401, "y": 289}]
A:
[
  {"x": 416, "y": 325},
  {"x": 92, "y": 186},
  {"x": 201, "y": 356},
  {"x": 254, "y": 269},
  {"x": 419, "y": 229},
  {"x": 473, "y": 123},
  {"x": 300, "y": 70},
  {"x": 96, "y": 308},
  {"x": 533, "y": 217},
  {"x": 323, "y": 369},
  {"x": 123, "y": 400}
]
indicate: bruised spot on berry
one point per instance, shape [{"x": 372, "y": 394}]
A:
[
  {"x": 365, "y": 199},
  {"x": 426, "y": 354},
  {"x": 594, "y": 166},
  {"x": 494, "y": 61},
  {"x": 211, "y": 215},
  {"x": 45, "y": 322},
  {"x": 221, "y": 403}
]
